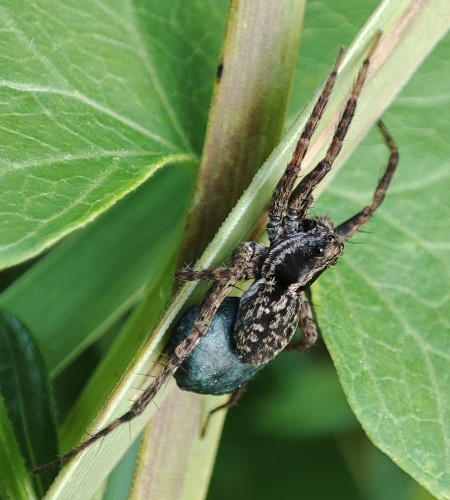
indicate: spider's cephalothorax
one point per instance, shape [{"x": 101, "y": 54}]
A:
[{"x": 221, "y": 343}]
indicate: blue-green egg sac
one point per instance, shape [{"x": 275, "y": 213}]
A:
[{"x": 213, "y": 367}]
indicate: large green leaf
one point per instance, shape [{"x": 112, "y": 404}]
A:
[
  {"x": 94, "y": 98},
  {"x": 384, "y": 312}
]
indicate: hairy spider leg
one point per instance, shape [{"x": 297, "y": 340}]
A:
[
  {"x": 233, "y": 400},
  {"x": 283, "y": 195},
  {"x": 285, "y": 185},
  {"x": 301, "y": 198},
  {"x": 348, "y": 228},
  {"x": 307, "y": 326},
  {"x": 247, "y": 255}
]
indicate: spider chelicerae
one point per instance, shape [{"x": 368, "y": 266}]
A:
[{"x": 247, "y": 333}]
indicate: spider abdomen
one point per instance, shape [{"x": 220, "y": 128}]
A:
[{"x": 266, "y": 321}]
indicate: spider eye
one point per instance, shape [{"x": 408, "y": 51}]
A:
[
  {"x": 319, "y": 250},
  {"x": 331, "y": 238}
]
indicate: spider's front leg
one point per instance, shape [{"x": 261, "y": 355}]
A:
[
  {"x": 348, "y": 228},
  {"x": 282, "y": 193},
  {"x": 301, "y": 197}
]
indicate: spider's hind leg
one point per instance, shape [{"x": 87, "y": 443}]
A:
[
  {"x": 307, "y": 326},
  {"x": 348, "y": 228},
  {"x": 234, "y": 398}
]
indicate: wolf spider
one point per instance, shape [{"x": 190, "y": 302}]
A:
[{"x": 263, "y": 321}]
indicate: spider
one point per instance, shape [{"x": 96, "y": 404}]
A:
[
  {"x": 251, "y": 331},
  {"x": 247, "y": 333}
]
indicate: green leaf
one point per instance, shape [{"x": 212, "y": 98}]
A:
[
  {"x": 93, "y": 102},
  {"x": 14, "y": 480},
  {"x": 68, "y": 296},
  {"x": 25, "y": 389},
  {"x": 383, "y": 311},
  {"x": 76, "y": 280}
]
